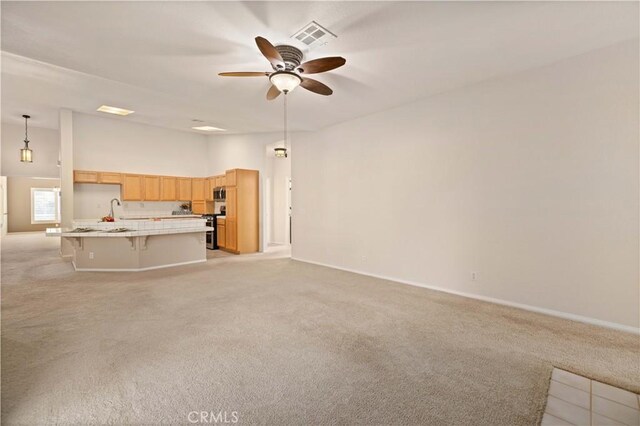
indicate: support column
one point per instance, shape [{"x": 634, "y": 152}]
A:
[{"x": 66, "y": 177}]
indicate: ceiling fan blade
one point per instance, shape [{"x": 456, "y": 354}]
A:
[
  {"x": 270, "y": 52},
  {"x": 273, "y": 93},
  {"x": 322, "y": 65},
  {"x": 316, "y": 87},
  {"x": 243, "y": 74}
]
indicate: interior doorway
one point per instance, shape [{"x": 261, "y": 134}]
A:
[{"x": 277, "y": 202}]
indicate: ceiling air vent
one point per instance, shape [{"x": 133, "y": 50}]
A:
[{"x": 314, "y": 35}]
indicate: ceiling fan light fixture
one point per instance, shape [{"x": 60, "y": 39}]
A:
[{"x": 285, "y": 81}]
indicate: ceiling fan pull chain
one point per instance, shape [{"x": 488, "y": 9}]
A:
[{"x": 285, "y": 121}]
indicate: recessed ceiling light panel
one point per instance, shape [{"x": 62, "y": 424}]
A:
[
  {"x": 114, "y": 110},
  {"x": 208, "y": 129}
]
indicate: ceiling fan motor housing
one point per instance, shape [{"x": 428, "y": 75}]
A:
[{"x": 292, "y": 56}]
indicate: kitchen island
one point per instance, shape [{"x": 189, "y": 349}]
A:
[{"x": 135, "y": 244}]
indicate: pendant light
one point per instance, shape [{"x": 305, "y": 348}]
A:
[
  {"x": 281, "y": 152},
  {"x": 26, "y": 155}
]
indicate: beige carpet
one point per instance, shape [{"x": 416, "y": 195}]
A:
[{"x": 278, "y": 341}]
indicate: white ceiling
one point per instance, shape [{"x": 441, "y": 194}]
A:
[{"x": 161, "y": 59}]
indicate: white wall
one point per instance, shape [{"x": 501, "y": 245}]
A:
[
  {"x": 531, "y": 181},
  {"x": 246, "y": 151},
  {"x": 105, "y": 143},
  {"x": 45, "y": 144},
  {"x": 114, "y": 144},
  {"x": 243, "y": 151}
]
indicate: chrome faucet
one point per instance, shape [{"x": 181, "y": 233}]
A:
[{"x": 111, "y": 202}]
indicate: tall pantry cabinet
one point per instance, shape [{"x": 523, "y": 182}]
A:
[{"x": 242, "y": 223}]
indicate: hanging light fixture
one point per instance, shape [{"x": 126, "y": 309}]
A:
[
  {"x": 281, "y": 152},
  {"x": 26, "y": 155}
]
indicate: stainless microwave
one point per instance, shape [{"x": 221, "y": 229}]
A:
[{"x": 219, "y": 194}]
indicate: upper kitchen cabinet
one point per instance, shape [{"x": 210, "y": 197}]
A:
[
  {"x": 132, "y": 187},
  {"x": 110, "y": 178},
  {"x": 231, "y": 202},
  {"x": 209, "y": 186},
  {"x": 168, "y": 188},
  {"x": 184, "y": 189},
  {"x": 220, "y": 181},
  {"x": 83, "y": 176},
  {"x": 151, "y": 188},
  {"x": 230, "y": 177},
  {"x": 197, "y": 189}
]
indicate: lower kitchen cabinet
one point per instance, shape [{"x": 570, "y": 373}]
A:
[
  {"x": 231, "y": 229},
  {"x": 222, "y": 233}
]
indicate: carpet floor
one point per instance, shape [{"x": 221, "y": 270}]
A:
[{"x": 278, "y": 342}]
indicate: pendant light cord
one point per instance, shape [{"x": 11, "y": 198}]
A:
[
  {"x": 285, "y": 121},
  {"x": 26, "y": 135}
]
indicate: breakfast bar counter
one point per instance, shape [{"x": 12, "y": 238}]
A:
[{"x": 135, "y": 245}]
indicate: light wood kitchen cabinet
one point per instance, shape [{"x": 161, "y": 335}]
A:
[
  {"x": 220, "y": 181},
  {"x": 231, "y": 231},
  {"x": 82, "y": 176},
  {"x": 132, "y": 187},
  {"x": 210, "y": 184},
  {"x": 242, "y": 225},
  {"x": 230, "y": 177},
  {"x": 198, "y": 207},
  {"x": 201, "y": 207},
  {"x": 231, "y": 202},
  {"x": 85, "y": 176},
  {"x": 222, "y": 232},
  {"x": 151, "y": 188},
  {"x": 197, "y": 189},
  {"x": 168, "y": 188},
  {"x": 184, "y": 189},
  {"x": 110, "y": 178}
]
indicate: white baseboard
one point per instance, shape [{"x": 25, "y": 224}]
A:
[
  {"x": 191, "y": 262},
  {"x": 560, "y": 314}
]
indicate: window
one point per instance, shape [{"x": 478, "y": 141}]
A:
[{"x": 45, "y": 205}]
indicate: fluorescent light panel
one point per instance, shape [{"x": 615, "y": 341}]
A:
[
  {"x": 208, "y": 128},
  {"x": 114, "y": 110}
]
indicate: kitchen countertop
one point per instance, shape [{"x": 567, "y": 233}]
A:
[{"x": 59, "y": 232}]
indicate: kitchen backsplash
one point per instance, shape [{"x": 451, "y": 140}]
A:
[{"x": 146, "y": 208}]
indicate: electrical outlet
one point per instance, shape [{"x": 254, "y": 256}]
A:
[
  {"x": 474, "y": 276},
  {"x": 141, "y": 205},
  {"x": 90, "y": 255}
]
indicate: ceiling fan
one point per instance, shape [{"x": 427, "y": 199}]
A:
[{"x": 288, "y": 72}]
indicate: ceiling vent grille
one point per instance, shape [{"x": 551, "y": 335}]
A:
[{"x": 314, "y": 35}]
